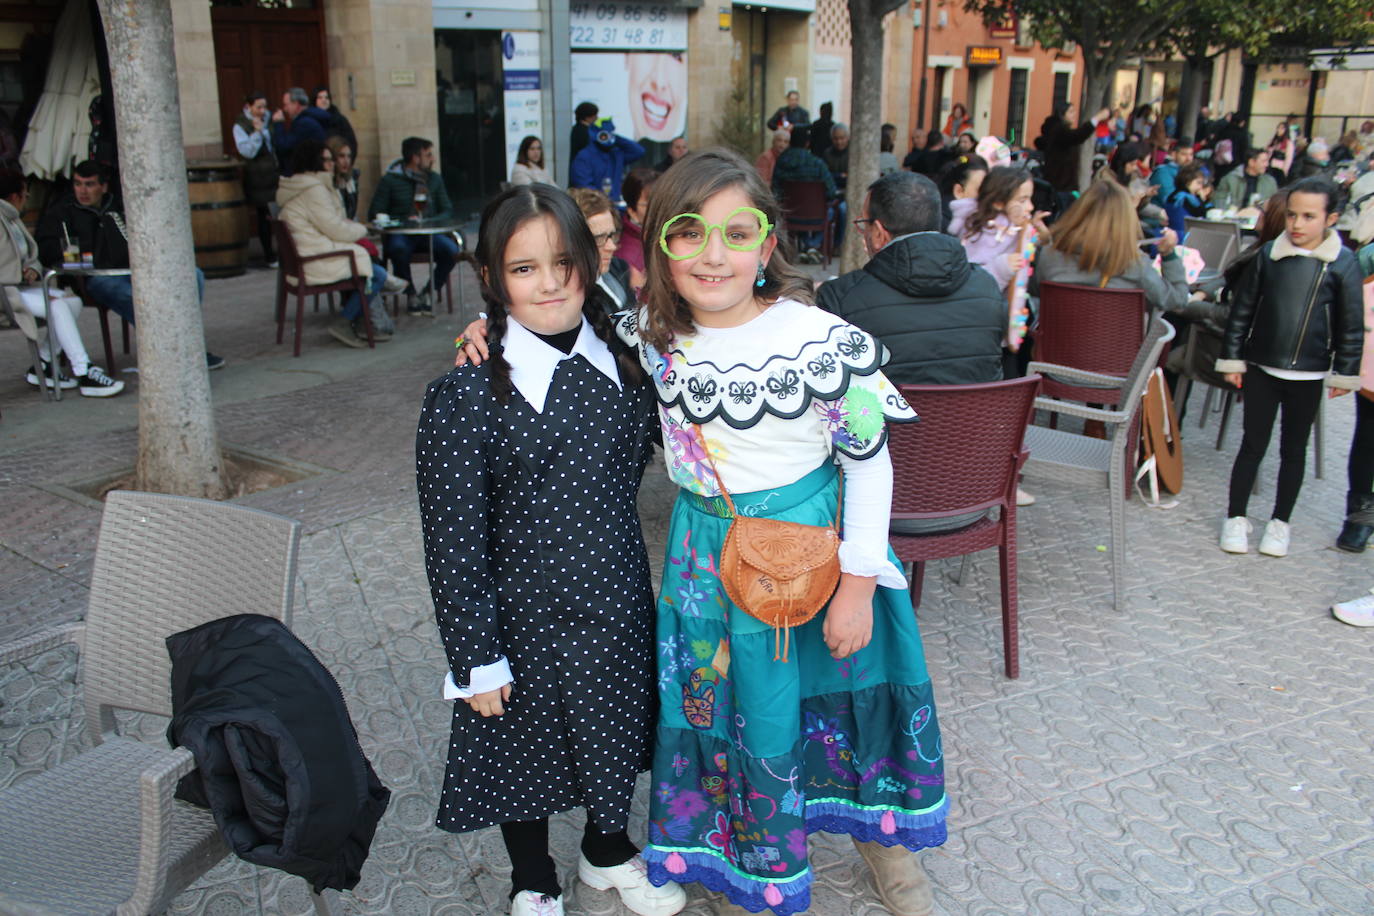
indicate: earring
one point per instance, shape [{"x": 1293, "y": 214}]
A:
[{"x": 761, "y": 278}]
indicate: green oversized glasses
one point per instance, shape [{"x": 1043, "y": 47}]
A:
[{"x": 685, "y": 235}]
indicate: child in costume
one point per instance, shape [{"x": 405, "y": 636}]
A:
[
  {"x": 768, "y": 398},
  {"x": 528, "y": 467}
]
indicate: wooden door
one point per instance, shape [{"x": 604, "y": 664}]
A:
[{"x": 265, "y": 50}]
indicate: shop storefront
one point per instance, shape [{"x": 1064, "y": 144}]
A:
[{"x": 630, "y": 60}]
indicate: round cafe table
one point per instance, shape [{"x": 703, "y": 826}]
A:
[{"x": 434, "y": 226}]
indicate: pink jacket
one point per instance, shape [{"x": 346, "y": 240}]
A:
[{"x": 988, "y": 249}]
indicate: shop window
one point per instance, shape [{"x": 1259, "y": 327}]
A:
[
  {"x": 1061, "y": 88},
  {"x": 1016, "y": 106}
]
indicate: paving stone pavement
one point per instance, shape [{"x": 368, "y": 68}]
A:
[{"x": 1203, "y": 751}]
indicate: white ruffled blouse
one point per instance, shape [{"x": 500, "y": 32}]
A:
[{"x": 775, "y": 398}]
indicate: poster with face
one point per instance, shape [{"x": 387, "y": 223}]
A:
[{"x": 645, "y": 92}]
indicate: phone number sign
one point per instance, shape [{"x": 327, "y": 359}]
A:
[{"x": 622, "y": 26}]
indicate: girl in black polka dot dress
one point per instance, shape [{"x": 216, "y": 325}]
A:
[{"x": 528, "y": 467}]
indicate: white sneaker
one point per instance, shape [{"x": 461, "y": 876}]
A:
[
  {"x": 1023, "y": 498},
  {"x": 394, "y": 284},
  {"x": 1358, "y": 612},
  {"x": 1275, "y": 540},
  {"x": 631, "y": 881},
  {"x": 1235, "y": 535},
  {"x": 533, "y": 903}
]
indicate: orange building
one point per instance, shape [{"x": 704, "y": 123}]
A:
[{"x": 1008, "y": 83}]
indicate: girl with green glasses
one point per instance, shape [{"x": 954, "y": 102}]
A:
[{"x": 769, "y": 398}]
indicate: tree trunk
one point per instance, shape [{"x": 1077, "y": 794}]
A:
[
  {"x": 1190, "y": 97},
  {"x": 866, "y": 117},
  {"x": 1097, "y": 90},
  {"x": 177, "y": 447}
]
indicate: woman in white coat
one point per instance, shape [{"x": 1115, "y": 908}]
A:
[{"x": 313, "y": 211}]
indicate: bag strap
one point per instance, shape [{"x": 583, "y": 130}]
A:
[{"x": 701, "y": 441}]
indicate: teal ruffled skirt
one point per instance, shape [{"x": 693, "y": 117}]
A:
[{"x": 755, "y": 753}]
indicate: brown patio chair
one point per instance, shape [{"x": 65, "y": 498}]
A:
[
  {"x": 805, "y": 209},
  {"x": 292, "y": 265},
  {"x": 951, "y": 469}
]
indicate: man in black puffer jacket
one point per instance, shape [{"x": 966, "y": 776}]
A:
[{"x": 940, "y": 318}]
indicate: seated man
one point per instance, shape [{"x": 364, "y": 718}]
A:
[
  {"x": 768, "y": 159},
  {"x": 940, "y": 318},
  {"x": 21, "y": 269},
  {"x": 87, "y": 216},
  {"x": 797, "y": 163},
  {"x": 1249, "y": 186},
  {"x": 396, "y": 197}
]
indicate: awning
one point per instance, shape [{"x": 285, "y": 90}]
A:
[{"x": 60, "y": 129}]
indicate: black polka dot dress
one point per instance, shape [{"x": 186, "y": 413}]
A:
[{"x": 534, "y": 552}]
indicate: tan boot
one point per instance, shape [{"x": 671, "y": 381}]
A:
[
  {"x": 902, "y": 883},
  {"x": 723, "y": 907}
]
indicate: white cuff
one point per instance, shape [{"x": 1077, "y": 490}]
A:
[
  {"x": 483, "y": 678},
  {"x": 859, "y": 560},
  {"x": 864, "y": 550}
]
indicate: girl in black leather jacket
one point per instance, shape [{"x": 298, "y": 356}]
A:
[{"x": 1296, "y": 321}]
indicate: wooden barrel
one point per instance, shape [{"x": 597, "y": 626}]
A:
[{"x": 219, "y": 216}]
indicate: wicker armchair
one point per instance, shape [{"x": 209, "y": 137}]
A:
[
  {"x": 1074, "y": 458},
  {"x": 102, "y": 833}
]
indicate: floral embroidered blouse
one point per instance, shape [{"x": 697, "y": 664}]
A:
[{"x": 775, "y": 398}]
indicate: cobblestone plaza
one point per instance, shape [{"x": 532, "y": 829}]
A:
[{"x": 1205, "y": 750}]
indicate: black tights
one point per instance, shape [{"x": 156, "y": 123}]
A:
[
  {"x": 1264, "y": 396},
  {"x": 1361, "y": 467},
  {"x": 265, "y": 232},
  {"x": 533, "y": 869}
]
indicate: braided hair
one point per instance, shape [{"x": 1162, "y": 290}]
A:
[{"x": 501, "y": 219}]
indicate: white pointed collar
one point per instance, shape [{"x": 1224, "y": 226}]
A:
[{"x": 533, "y": 362}]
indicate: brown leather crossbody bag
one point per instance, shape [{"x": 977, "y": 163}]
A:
[{"x": 781, "y": 573}]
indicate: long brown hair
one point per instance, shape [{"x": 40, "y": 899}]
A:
[
  {"x": 684, "y": 188},
  {"x": 996, "y": 191},
  {"x": 1100, "y": 230},
  {"x": 522, "y": 155}
]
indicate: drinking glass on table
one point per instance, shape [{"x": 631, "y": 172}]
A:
[{"x": 421, "y": 200}]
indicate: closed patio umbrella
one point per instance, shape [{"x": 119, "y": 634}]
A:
[{"x": 60, "y": 129}]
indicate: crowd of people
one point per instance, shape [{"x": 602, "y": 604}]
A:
[
  {"x": 299, "y": 162},
  {"x": 661, "y": 306},
  {"x": 678, "y": 319}
]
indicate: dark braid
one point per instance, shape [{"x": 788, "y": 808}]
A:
[
  {"x": 605, "y": 329},
  {"x": 496, "y": 362},
  {"x": 502, "y": 218}
]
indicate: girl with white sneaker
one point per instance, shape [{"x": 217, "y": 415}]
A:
[
  {"x": 528, "y": 468},
  {"x": 21, "y": 270},
  {"x": 1296, "y": 321}
]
